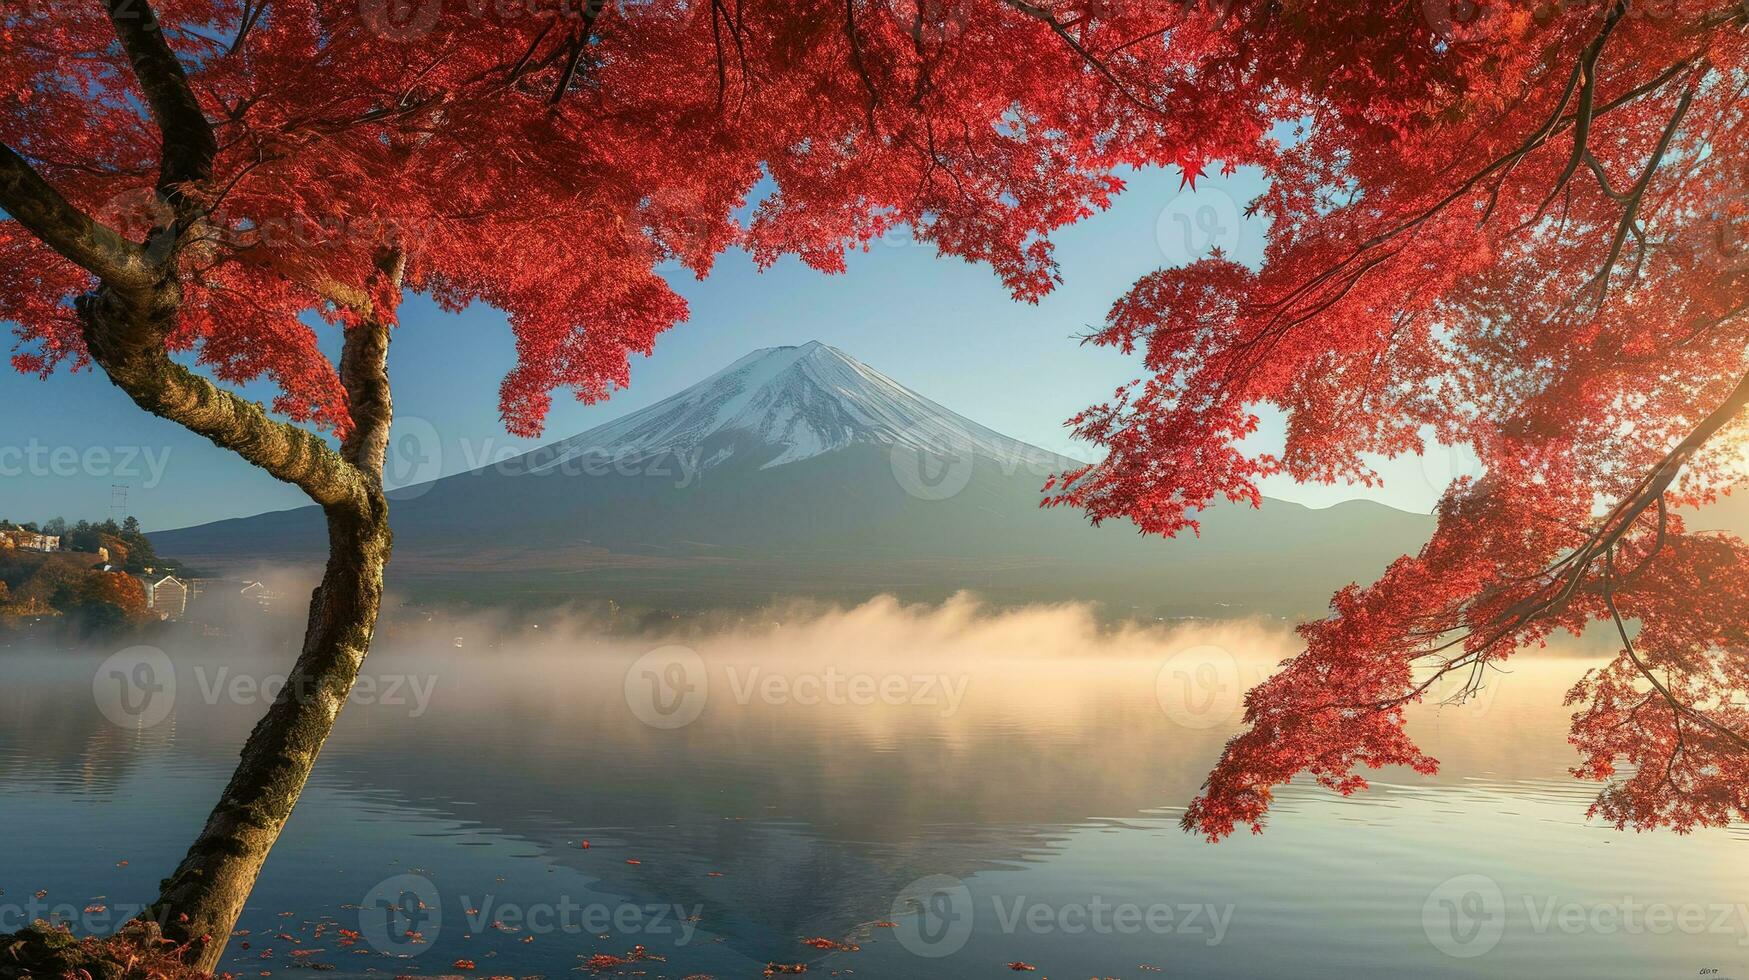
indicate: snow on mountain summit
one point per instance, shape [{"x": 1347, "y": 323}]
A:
[{"x": 788, "y": 404}]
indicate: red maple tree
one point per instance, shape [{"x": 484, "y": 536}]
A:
[
  {"x": 198, "y": 187},
  {"x": 1514, "y": 229},
  {"x": 1521, "y": 232}
]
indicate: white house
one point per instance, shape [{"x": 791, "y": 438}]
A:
[
  {"x": 32, "y": 541},
  {"x": 168, "y": 596}
]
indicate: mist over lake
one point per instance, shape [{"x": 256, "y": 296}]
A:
[{"x": 947, "y": 788}]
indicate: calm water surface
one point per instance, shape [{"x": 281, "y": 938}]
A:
[{"x": 948, "y": 791}]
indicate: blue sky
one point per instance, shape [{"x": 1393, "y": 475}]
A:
[{"x": 941, "y": 326}]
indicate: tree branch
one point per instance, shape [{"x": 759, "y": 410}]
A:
[
  {"x": 1061, "y": 30},
  {"x": 87, "y": 243},
  {"x": 364, "y": 375},
  {"x": 126, "y": 339},
  {"x": 579, "y": 44},
  {"x": 1678, "y": 708},
  {"x": 187, "y": 138}
]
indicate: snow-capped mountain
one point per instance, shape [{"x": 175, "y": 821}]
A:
[
  {"x": 801, "y": 471},
  {"x": 786, "y": 404}
]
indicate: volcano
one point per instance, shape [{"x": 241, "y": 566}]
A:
[{"x": 803, "y": 472}]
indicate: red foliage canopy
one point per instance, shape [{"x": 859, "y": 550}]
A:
[
  {"x": 1518, "y": 231},
  {"x": 1524, "y": 237},
  {"x": 545, "y": 157}
]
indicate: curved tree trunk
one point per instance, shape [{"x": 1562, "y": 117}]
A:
[
  {"x": 201, "y": 901},
  {"x": 126, "y": 320}
]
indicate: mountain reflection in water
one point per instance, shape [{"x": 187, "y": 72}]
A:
[{"x": 1031, "y": 761}]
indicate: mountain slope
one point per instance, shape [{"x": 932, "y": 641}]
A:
[
  {"x": 798, "y": 402},
  {"x": 801, "y": 471}
]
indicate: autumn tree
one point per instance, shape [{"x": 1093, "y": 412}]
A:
[
  {"x": 1521, "y": 232},
  {"x": 102, "y": 602},
  {"x": 1515, "y": 229},
  {"x": 197, "y": 188}
]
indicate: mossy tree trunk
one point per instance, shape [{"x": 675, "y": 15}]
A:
[
  {"x": 125, "y": 321},
  {"x": 200, "y": 902}
]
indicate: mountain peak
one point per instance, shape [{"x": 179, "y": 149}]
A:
[
  {"x": 780, "y": 405},
  {"x": 792, "y": 353}
]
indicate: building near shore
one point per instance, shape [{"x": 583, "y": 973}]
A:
[{"x": 167, "y": 596}]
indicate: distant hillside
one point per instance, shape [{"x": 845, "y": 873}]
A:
[{"x": 802, "y": 472}]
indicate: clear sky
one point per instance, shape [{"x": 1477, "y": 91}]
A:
[{"x": 941, "y": 326}]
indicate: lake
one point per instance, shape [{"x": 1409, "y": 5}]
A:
[{"x": 922, "y": 792}]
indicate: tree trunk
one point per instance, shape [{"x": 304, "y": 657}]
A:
[
  {"x": 126, "y": 321},
  {"x": 198, "y": 905},
  {"x": 201, "y": 901}
]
